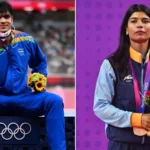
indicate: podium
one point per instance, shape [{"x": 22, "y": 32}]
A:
[
  {"x": 16, "y": 133},
  {"x": 15, "y": 130}
]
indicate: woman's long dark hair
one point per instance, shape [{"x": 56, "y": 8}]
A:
[{"x": 121, "y": 56}]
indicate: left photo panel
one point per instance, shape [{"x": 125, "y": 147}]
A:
[{"x": 37, "y": 75}]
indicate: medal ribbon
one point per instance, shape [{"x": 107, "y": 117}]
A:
[{"x": 140, "y": 106}]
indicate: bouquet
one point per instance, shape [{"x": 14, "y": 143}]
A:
[
  {"x": 147, "y": 102},
  {"x": 147, "y": 98},
  {"x": 37, "y": 82}
]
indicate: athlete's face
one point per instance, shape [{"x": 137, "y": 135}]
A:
[
  {"x": 138, "y": 27},
  {"x": 6, "y": 21}
]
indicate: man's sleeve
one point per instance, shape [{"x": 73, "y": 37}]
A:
[{"x": 37, "y": 61}]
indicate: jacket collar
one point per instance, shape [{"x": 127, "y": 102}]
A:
[{"x": 136, "y": 56}]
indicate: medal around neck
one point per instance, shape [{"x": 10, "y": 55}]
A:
[{"x": 141, "y": 131}]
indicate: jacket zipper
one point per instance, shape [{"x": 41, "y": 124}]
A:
[{"x": 142, "y": 85}]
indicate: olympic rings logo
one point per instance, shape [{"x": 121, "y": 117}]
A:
[{"x": 13, "y": 133}]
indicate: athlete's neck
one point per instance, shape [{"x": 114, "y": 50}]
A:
[
  {"x": 6, "y": 41},
  {"x": 140, "y": 47}
]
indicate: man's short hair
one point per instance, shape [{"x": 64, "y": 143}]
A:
[{"x": 6, "y": 7}]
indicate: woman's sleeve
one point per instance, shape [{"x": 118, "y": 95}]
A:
[{"x": 104, "y": 93}]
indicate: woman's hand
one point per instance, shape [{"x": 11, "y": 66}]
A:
[{"x": 146, "y": 121}]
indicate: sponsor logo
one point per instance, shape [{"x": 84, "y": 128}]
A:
[
  {"x": 21, "y": 51},
  {"x": 128, "y": 78}
]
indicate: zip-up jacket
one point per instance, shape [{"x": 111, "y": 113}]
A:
[
  {"x": 15, "y": 58},
  {"x": 114, "y": 100}
]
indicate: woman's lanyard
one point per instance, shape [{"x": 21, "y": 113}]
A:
[{"x": 140, "y": 105}]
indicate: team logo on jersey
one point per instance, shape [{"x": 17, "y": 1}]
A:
[{"x": 21, "y": 51}]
